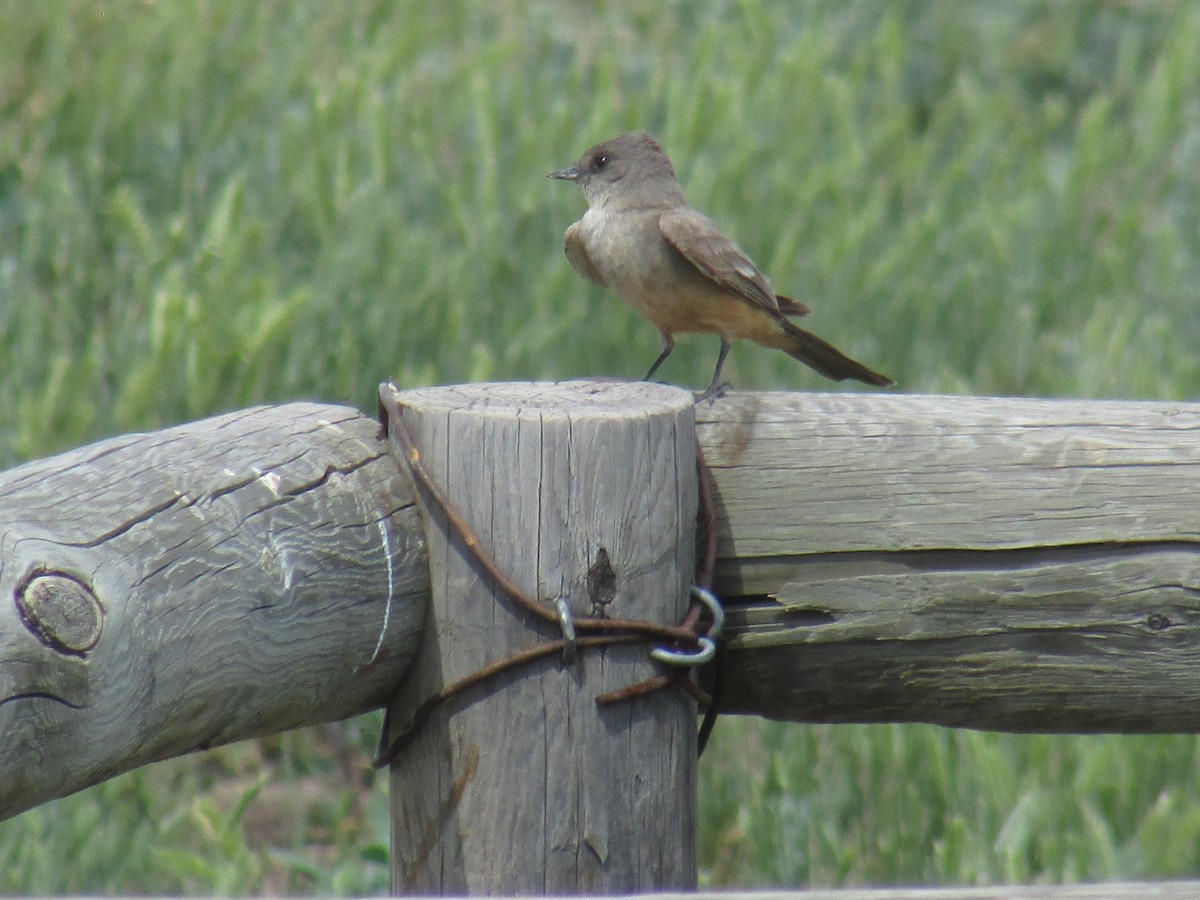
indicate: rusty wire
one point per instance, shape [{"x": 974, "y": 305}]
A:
[{"x": 603, "y": 631}]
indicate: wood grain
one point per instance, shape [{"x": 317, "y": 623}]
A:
[
  {"x": 1011, "y": 564},
  {"x": 524, "y": 786},
  {"x": 173, "y": 591},
  {"x": 1000, "y": 563}
]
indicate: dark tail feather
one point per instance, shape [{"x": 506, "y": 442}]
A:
[{"x": 826, "y": 358}]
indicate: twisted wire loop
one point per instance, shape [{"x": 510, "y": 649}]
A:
[
  {"x": 707, "y": 641},
  {"x": 688, "y": 647}
]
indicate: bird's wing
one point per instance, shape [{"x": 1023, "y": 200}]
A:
[
  {"x": 790, "y": 307},
  {"x": 701, "y": 242},
  {"x": 577, "y": 254}
]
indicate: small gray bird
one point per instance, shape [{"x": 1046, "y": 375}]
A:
[{"x": 675, "y": 267}]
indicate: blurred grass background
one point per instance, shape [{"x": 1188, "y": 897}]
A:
[{"x": 205, "y": 205}]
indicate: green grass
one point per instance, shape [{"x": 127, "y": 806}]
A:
[{"x": 209, "y": 205}]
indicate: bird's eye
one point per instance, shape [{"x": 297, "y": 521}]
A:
[{"x": 600, "y": 161}]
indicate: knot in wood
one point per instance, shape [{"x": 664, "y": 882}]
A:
[
  {"x": 1159, "y": 622},
  {"x": 61, "y": 611},
  {"x": 601, "y": 582}
]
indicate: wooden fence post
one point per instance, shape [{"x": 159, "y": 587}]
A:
[{"x": 523, "y": 785}]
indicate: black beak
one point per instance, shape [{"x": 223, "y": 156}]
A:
[{"x": 571, "y": 174}]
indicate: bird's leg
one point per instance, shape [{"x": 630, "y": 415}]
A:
[
  {"x": 716, "y": 387},
  {"x": 668, "y": 344}
]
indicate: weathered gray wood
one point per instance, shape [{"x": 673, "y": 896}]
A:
[
  {"x": 524, "y": 786},
  {"x": 994, "y": 563},
  {"x": 1011, "y": 564},
  {"x": 166, "y": 592}
]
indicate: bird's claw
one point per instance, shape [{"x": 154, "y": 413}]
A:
[{"x": 713, "y": 392}]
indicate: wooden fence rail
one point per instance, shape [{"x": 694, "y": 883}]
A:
[
  {"x": 995, "y": 563},
  {"x": 167, "y": 592}
]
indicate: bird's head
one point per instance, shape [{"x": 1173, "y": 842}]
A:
[{"x": 627, "y": 171}]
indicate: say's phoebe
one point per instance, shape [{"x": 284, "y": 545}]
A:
[{"x": 675, "y": 267}]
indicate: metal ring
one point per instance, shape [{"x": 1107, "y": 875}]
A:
[
  {"x": 567, "y": 624},
  {"x": 707, "y": 642},
  {"x": 709, "y": 599},
  {"x": 708, "y": 649}
]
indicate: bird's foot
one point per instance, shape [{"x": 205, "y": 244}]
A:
[{"x": 713, "y": 392}]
